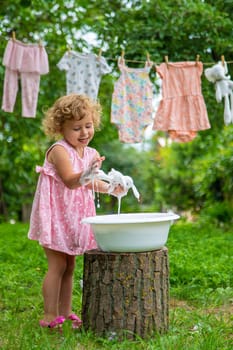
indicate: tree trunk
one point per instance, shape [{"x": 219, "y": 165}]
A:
[
  {"x": 126, "y": 294},
  {"x": 3, "y": 207},
  {"x": 26, "y": 212}
]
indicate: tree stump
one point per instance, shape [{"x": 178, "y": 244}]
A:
[{"x": 126, "y": 294}]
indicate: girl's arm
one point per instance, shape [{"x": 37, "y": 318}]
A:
[
  {"x": 103, "y": 187},
  {"x": 59, "y": 157},
  {"x": 99, "y": 186}
]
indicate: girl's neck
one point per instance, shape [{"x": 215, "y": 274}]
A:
[{"x": 79, "y": 150}]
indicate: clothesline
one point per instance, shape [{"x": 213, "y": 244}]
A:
[
  {"x": 130, "y": 60},
  {"x": 83, "y": 75},
  {"x": 135, "y": 61}
]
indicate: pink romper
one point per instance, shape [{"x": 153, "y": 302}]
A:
[
  {"x": 182, "y": 110},
  {"x": 57, "y": 211},
  {"x": 132, "y": 108}
]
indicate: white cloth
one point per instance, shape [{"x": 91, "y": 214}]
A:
[
  {"x": 224, "y": 88},
  {"x": 83, "y": 72}
]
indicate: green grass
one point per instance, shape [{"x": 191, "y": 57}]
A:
[{"x": 201, "y": 291}]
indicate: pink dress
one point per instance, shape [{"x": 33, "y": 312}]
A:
[
  {"x": 57, "y": 211},
  {"x": 182, "y": 110}
]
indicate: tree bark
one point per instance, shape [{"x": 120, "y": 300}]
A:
[
  {"x": 126, "y": 294},
  {"x": 3, "y": 207}
]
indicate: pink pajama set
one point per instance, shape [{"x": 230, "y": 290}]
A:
[{"x": 27, "y": 62}]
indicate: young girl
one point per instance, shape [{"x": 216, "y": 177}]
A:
[{"x": 63, "y": 198}]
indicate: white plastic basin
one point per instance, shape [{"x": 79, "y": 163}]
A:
[{"x": 136, "y": 232}]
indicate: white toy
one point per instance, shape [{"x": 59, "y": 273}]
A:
[
  {"x": 223, "y": 87},
  {"x": 116, "y": 178}
]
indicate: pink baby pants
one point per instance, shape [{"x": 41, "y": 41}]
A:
[{"x": 25, "y": 62}]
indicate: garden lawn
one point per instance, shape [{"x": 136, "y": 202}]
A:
[{"x": 201, "y": 294}]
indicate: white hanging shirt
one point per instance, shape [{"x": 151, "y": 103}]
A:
[{"x": 83, "y": 72}]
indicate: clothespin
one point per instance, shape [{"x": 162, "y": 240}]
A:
[
  {"x": 68, "y": 49},
  {"x": 40, "y": 43},
  {"x": 122, "y": 56},
  {"x": 166, "y": 60},
  {"x": 148, "y": 58},
  {"x": 100, "y": 53},
  {"x": 223, "y": 60},
  {"x": 197, "y": 59},
  {"x": 13, "y": 35}
]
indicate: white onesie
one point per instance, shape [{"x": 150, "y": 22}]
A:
[{"x": 83, "y": 72}]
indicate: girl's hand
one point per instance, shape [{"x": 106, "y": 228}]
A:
[
  {"x": 119, "y": 191},
  {"x": 97, "y": 163},
  {"x": 89, "y": 174}
]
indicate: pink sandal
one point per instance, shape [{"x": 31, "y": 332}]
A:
[
  {"x": 53, "y": 324},
  {"x": 76, "y": 321}
]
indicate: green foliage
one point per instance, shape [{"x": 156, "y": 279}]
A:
[
  {"x": 215, "y": 181},
  {"x": 200, "y": 255},
  {"x": 196, "y": 176},
  {"x": 218, "y": 213},
  {"x": 200, "y": 258},
  {"x": 185, "y": 177}
]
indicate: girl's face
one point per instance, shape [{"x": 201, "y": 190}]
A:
[{"x": 78, "y": 133}]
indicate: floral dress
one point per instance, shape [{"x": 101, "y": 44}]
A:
[{"x": 132, "y": 107}]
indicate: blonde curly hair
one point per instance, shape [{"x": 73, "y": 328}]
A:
[{"x": 70, "y": 107}]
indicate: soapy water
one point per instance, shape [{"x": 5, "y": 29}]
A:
[
  {"x": 119, "y": 205},
  {"x": 115, "y": 178}
]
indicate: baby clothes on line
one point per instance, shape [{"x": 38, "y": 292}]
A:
[
  {"x": 27, "y": 62},
  {"x": 83, "y": 72},
  {"x": 224, "y": 88},
  {"x": 182, "y": 110},
  {"x": 132, "y": 108}
]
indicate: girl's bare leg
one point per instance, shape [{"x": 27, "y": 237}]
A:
[
  {"x": 57, "y": 265},
  {"x": 66, "y": 291}
]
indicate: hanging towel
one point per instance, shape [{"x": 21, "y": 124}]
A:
[
  {"x": 223, "y": 87},
  {"x": 182, "y": 110},
  {"x": 132, "y": 109},
  {"x": 83, "y": 72}
]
